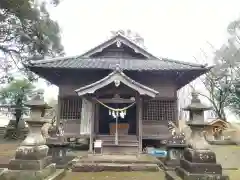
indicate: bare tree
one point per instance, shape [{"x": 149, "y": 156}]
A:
[{"x": 219, "y": 81}]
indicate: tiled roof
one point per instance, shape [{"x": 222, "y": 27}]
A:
[{"x": 111, "y": 63}]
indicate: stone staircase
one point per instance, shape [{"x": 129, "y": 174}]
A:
[
  {"x": 2, "y": 131},
  {"x": 127, "y": 144}
]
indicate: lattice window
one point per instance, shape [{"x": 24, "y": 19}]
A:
[
  {"x": 159, "y": 110},
  {"x": 70, "y": 107}
]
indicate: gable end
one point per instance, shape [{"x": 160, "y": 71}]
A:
[{"x": 119, "y": 47}]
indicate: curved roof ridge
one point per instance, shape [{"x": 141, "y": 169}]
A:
[{"x": 118, "y": 75}]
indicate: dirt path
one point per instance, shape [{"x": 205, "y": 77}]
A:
[{"x": 7, "y": 151}]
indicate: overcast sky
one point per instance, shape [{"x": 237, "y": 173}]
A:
[{"x": 171, "y": 28}]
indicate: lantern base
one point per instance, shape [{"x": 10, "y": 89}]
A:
[
  {"x": 46, "y": 173},
  {"x": 19, "y": 164}
]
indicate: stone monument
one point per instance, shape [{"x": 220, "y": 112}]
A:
[
  {"x": 198, "y": 161},
  {"x": 31, "y": 160}
]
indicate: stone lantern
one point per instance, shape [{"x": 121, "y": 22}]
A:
[
  {"x": 198, "y": 162},
  {"x": 196, "y": 121},
  {"x": 31, "y": 159}
]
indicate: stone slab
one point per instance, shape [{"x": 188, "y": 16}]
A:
[
  {"x": 200, "y": 167},
  {"x": 58, "y": 175},
  {"x": 17, "y": 164},
  {"x": 28, "y": 174},
  {"x": 194, "y": 176},
  {"x": 92, "y": 167},
  {"x": 120, "y": 159},
  {"x": 171, "y": 175}
]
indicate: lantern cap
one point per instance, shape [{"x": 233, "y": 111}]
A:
[{"x": 196, "y": 104}]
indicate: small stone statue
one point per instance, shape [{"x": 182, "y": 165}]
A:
[{"x": 171, "y": 128}]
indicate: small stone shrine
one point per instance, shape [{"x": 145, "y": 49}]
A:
[
  {"x": 198, "y": 162},
  {"x": 58, "y": 147},
  {"x": 31, "y": 160},
  {"x": 175, "y": 147}
]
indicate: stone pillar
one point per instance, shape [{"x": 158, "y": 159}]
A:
[{"x": 31, "y": 159}]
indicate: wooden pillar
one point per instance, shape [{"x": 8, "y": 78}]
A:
[
  {"x": 176, "y": 112},
  {"x": 92, "y": 127},
  {"x": 97, "y": 117},
  {"x": 140, "y": 110},
  {"x": 58, "y": 110}
]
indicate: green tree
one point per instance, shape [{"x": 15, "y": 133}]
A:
[
  {"x": 234, "y": 100},
  {"x": 26, "y": 32},
  {"x": 15, "y": 94}
]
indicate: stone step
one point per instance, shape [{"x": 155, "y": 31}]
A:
[
  {"x": 98, "y": 167},
  {"x": 2, "y": 131},
  {"x": 120, "y": 140},
  {"x": 120, "y": 137},
  {"x": 120, "y": 149},
  {"x": 120, "y": 144}
]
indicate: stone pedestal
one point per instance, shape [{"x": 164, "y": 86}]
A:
[
  {"x": 31, "y": 160},
  {"x": 196, "y": 165},
  {"x": 175, "y": 153},
  {"x": 175, "y": 147},
  {"x": 58, "y": 152}
]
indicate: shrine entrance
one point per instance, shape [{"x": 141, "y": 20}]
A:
[
  {"x": 126, "y": 124},
  {"x": 117, "y": 117}
]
